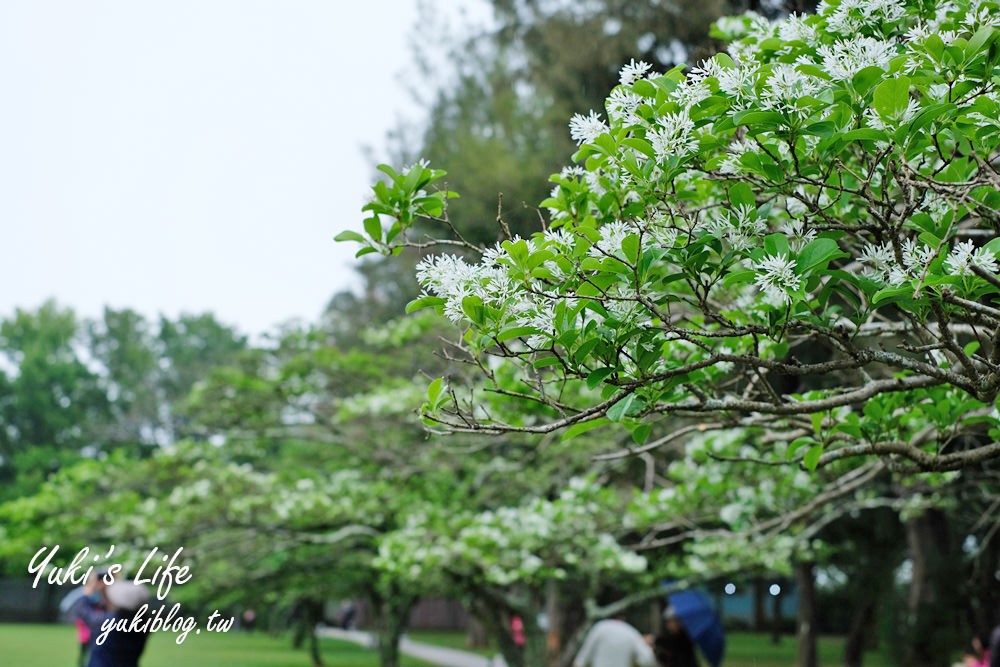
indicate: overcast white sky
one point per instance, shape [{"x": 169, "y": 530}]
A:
[{"x": 191, "y": 155}]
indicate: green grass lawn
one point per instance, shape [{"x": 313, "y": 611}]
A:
[
  {"x": 55, "y": 646},
  {"x": 743, "y": 649}
]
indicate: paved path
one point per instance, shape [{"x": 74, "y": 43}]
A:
[{"x": 438, "y": 655}]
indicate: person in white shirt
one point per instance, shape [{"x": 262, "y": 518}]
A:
[{"x": 614, "y": 643}]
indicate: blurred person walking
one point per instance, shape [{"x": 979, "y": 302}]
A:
[
  {"x": 109, "y": 603},
  {"x": 614, "y": 643}
]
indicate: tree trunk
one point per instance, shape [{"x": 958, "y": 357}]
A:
[
  {"x": 476, "y": 635},
  {"x": 535, "y": 649},
  {"x": 556, "y": 620},
  {"x": 857, "y": 635},
  {"x": 314, "y": 614},
  {"x": 985, "y": 592},
  {"x": 392, "y": 612},
  {"x": 574, "y": 643},
  {"x": 497, "y": 619},
  {"x": 759, "y": 613},
  {"x": 933, "y": 599},
  {"x": 776, "y": 619},
  {"x": 806, "y": 619},
  {"x": 307, "y": 614}
]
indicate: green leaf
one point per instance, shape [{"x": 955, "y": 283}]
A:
[
  {"x": 516, "y": 332},
  {"x": 582, "y": 427},
  {"x": 930, "y": 114},
  {"x": 993, "y": 246},
  {"x": 739, "y": 277},
  {"x": 348, "y": 235},
  {"x": 640, "y": 145},
  {"x": 644, "y": 88},
  {"x": 866, "y": 78},
  {"x": 373, "y": 227},
  {"x": 891, "y": 97},
  {"x": 930, "y": 239},
  {"x": 388, "y": 171},
  {"x": 813, "y": 70},
  {"x": 630, "y": 246},
  {"x": 622, "y": 408},
  {"x": 823, "y": 129},
  {"x": 640, "y": 434},
  {"x": 537, "y": 258},
  {"x": 892, "y": 295},
  {"x": 434, "y": 391},
  {"x": 796, "y": 445},
  {"x": 776, "y": 244},
  {"x": 741, "y": 194},
  {"x": 518, "y": 251},
  {"x": 811, "y": 458},
  {"x": 425, "y": 302},
  {"x": 762, "y": 119},
  {"x": 982, "y": 37},
  {"x": 598, "y": 376},
  {"x": 415, "y": 179},
  {"x": 864, "y": 133},
  {"x": 472, "y": 306},
  {"x": 606, "y": 144},
  {"x": 544, "y": 362},
  {"x": 935, "y": 46},
  {"x": 724, "y": 60},
  {"x": 817, "y": 423},
  {"x": 817, "y": 254}
]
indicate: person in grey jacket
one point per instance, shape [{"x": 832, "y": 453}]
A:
[{"x": 614, "y": 643}]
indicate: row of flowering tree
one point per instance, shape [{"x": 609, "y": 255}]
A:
[
  {"x": 278, "y": 538},
  {"x": 301, "y": 499}
]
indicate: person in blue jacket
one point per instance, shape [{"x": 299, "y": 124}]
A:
[{"x": 120, "y": 600}]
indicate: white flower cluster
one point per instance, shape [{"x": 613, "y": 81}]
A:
[
  {"x": 776, "y": 277},
  {"x": 964, "y": 256},
  {"x": 741, "y": 226},
  {"x": 622, "y": 106},
  {"x": 610, "y": 243},
  {"x": 584, "y": 129},
  {"x": 734, "y": 153},
  {"x": 453, "y": 278},
  {"x": 786, "y": 86},
  {"x": 662, "y": 230},
  {"x": 633, "y": 72},
  {"x": 883, "y": 266},
  {"x": 796, "y": 28},
  {"x": 739, "y": 81},
  {"x": 845, "y": 58},
  {"x": 672, "y": 136},
  {"x": 848, "y": 17},
  {"x": 798, "y": 236}
]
